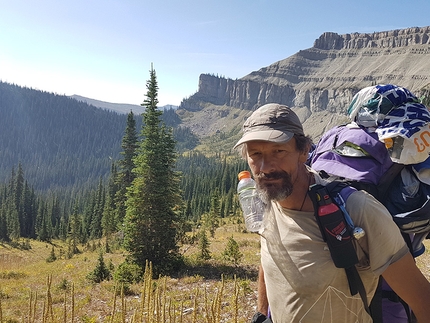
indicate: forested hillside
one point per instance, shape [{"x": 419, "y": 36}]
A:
[
  {"x": 61, "y": 142},
  {"x": 63, "y": 169}
]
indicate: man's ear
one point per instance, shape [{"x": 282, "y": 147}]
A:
[
  {"x": 303, "y": 157},
  {"x": 304, "y": 154}
]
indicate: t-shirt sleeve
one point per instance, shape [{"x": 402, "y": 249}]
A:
[{"x": 383, "y": 243}]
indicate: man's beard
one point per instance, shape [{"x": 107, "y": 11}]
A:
[{"x": 274, "y": 191}]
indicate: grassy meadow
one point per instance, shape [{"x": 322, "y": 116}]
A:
[{"x": 215, "y": 290}]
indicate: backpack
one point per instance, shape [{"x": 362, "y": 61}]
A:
[{"x": 350, "y": 156}]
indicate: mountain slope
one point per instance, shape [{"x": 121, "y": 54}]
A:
[
  {"x": 116, "y": 107},
  {"x": 318, "y": 82},
  {"x": 62, "y": 142},
  {"x": 59, "y": 141}
]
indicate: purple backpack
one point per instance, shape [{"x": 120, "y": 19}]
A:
[{"x": 353, "y": 153}]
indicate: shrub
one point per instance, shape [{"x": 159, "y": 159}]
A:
[
  {"x": 12, "y": 275},
  {"x": 64, "y": 285},
  {"x": 52, "y": 257},
  {"x": 128, "y": 273}
]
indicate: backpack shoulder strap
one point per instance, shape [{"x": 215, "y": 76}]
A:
[
  {"x": 386, "y": 179},
  {"x": 341, "y": 248}
]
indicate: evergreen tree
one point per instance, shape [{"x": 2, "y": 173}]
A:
[
  {"x": 43, "y": 223},
  {"x": 211, "y": 220},
  {"x": 101, "y": 272},
  {"x": 151, "y": 222},
  {"x": 74, "y": 233},
  {"x": 231, "y": 252},
  {"x": 52, "y": 257},
  {"x": 4, "y": 235},
  {"x": 203, "y": 245},
  {"x": 109, "y": 224},
  {"x": 126, "y": 176},
  {"x": 97, "y": 214}
]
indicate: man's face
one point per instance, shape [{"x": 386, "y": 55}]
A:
[{"x": 275, "y": 167}]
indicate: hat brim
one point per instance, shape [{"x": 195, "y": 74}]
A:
[{"x": 265, "y": 135}]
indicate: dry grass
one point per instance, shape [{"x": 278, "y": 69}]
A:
[{"x": 33, "y": 290}]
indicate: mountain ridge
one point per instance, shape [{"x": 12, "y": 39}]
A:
[
  {"x": 122, "y": 108},
  {"x": 319, "y": 82},
  {"x": 55, "y": 135}
]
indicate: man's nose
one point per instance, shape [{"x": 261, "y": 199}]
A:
[{"x": 267, "y": 165}]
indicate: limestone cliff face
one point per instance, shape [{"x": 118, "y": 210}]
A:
[
  {"x": 325, "y": 77},
  {"x": 386, "y": 39}
]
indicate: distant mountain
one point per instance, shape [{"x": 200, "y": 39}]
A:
[
  {"x": 318, "y": 82},
  {"x": 123, "y": 108}
]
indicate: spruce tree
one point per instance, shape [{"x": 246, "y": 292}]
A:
[
  {"x": 125, "y": 175},
  {"x": 97, "y": 212},
  {"x": 231, "y": 252},
  {"x": 203, "y": 245},
  {"x": 101, "y": 272},
  {"x": 109, "y": 224},
  {"x": 152, "y": 216}
]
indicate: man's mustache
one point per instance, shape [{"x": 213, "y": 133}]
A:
[{"x": 272, "y": 175}]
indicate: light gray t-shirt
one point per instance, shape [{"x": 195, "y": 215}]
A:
[{"x": 302, "y": 282}]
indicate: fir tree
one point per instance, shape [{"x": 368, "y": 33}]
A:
[
  {"x": 151, "y": 222},
  {"x": 203, "y": 245},
  {"x": 97, "y": 214},
  {"x": 52, "y": 257},
  {"x": 101, "y": 272},
  {"x": 232, "y": 252},
  {"x": 4, "y": 235},
  {"x": 109, "y": 224},
  {"x": 214, "y": 213},
  {"x": 74, "y": 232},
  {"x": 125, "y": 175}
]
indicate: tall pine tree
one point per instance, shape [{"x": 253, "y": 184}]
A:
[
  {"x": 152, "y": 217},
  {"x": 125, "y": 176}
]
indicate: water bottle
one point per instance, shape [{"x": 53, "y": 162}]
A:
[{"x": 250, "y": 202}]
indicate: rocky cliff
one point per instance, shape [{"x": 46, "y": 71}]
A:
[{"x": 322, "y": 80}]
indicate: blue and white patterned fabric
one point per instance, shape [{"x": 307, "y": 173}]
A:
[{"x": 399, "y": 119}]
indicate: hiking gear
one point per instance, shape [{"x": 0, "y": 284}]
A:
[
  {"x": 351, "y": 152},
  {"x": 385, "y": 151},
  {"x": 337, "y": 229},
  {"x": 406, "y": 198},
  {"x": 398, "y": 118},
  {"x": 250, "y": 202},
  {"x": 339, "y": 191},
  {"x": 271, "y": 122}
]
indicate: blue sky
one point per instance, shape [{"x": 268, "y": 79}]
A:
[{"x": 104, "y": 49}]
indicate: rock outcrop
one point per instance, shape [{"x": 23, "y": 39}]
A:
[{"x": 325, "y": 77}]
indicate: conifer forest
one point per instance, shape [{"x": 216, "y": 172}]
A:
[{"x": 75, "y": 172}]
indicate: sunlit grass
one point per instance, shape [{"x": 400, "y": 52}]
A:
[{"x": 35, "y": 290}]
